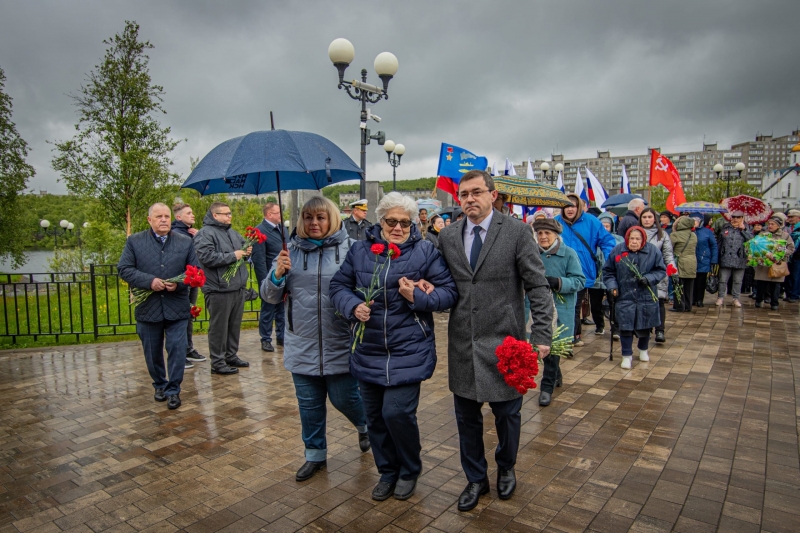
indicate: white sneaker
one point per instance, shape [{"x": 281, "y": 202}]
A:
[
  {"x": 720, "y": 301},
  {"x": 626, "y": 362},
  {"x": 643, "y": 356}
]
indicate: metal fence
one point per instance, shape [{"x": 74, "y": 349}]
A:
[{"x": 80, "y": 305}]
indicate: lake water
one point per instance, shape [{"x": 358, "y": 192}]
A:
[{"x": 36, "y": 263}]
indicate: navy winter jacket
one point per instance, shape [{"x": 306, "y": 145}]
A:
[
  {"x": 398, "y": 345},
  {"x": 635, "y": 307},
  {"x": 706, "y": 250},
  {"x": 143, "y": 259}
]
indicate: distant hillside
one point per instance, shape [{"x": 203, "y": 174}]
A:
[{"x": 332, "y": 191}]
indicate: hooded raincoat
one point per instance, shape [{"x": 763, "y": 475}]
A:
[
  {"x": 684, "y": 245},
  {"x": 587, "y": 229}
]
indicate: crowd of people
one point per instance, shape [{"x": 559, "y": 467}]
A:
[{"x": 351, "y": 305}]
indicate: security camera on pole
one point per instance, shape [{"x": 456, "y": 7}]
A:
[{"x": 341, "y": 53}]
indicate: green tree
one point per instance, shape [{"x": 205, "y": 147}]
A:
[
  {"x": 717, "y": 191},
  {"x": 121, "y": 153},
  {"x": 14, "y": 176}
]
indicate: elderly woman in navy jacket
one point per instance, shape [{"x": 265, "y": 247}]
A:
[
  {"x": 636, "y": 309},
  {"x": 398, "y": 350}
]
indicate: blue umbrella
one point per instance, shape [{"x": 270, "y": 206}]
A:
[
  {"x": 618, "y": 203},
  {"x": 265, "y": 161}
]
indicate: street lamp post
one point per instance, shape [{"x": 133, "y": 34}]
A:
[
  {"x": 341, "y": 53},
  {"x": 55, "y": 232},
  {"x": 394, "y": 152},
  {"x": 729, "y": 177},
  {"x": 552, "y": 177}
]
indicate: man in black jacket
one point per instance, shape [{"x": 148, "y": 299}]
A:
[
  {"x": 149, "y": 258},
  {"x": 217, "y": 247},
  {"x": 357, "y": 223},
  {"x": 263, "y": 255},
  {"x": 184, "y": 220},
  {"x": 631, "y": 218}
]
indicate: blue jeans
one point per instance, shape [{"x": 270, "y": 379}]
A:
[
  {"x": 393, "y": 430},
  {"x": 794, "y": 272},
  {"x": 271, "y": 313},
  {"x": 311, "y": 392},
  {"x": 152, "y": 335}
]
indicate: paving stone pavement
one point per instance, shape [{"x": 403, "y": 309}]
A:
[{"x": 704, "y": 437}]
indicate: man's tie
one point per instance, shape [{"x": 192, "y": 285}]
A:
[
  {"x": 477, "y": 244},
  {"x": 162, "y": 238}
]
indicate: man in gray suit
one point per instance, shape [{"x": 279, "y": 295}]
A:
[{"x": 495, "y": 264}]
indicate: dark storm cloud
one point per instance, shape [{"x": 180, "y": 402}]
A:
[{"x": 504, "y": 79}]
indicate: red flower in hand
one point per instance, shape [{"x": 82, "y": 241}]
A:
[
  {"x": 195, "y": 311},
  {"x": 518, "y": 363},
  {"x": 377, "y": 249},
  {"x": 624, "y": 254},
  {"x": 671, "y": 270},
  {"x": 394, "y": 250},
  {"x": 618, "y": 258}
]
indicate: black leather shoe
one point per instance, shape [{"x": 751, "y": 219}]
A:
[
  {"x": 544, "y": 398},
  {"x": 471, "y": 494},
  {"x": 404, "y": 488},
  {"x": 506, "y": 483},
  {"x": 757, "y": 304},
  {"x": 173, "y": 401},
  {"x": 225, "y": 370},
  {"x": 309, "y": 469},
  {"x": 159, "y": 395},
  {"x": 267, "y": 346},
  {"x": 673, "y": 310},
  {"x": 660, "y": 337},
  {"x": 382, "y": 491},
  {"x": 773, "y": 307},
  {"x": 237, "y": 363},
  {"x": 363, "y": 441},
  {"x": 279, "y": 342}
]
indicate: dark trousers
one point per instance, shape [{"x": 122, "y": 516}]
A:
[
  {"x": 393, "y": 431},
  {"x": 596, "y": 305},
  {"x": 578, "y": 306},
  {"x": 794, "y": 269},
  {"x": 153, "y": 335},
  {"x": 551, "y": 373},
  {"x": 626, "y": 340},
  {"x": 312, "y": 394},
  {"x": 768, "y": 289},
  {"x": 700, "y": 287},
  {"x": 662, "y": 311},
  {"x": 225, "y": 311},
  {"x": 271, "y": 313},
  {"x": 687, "y": 297},
  {"x": 190, "y": 324},
  {"x": 507, "y": 422}
]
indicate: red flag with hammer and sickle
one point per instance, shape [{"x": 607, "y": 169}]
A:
[{"x": 663, "y": 172}]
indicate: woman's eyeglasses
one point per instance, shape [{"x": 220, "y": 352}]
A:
[{"x": 391, "y": 222}]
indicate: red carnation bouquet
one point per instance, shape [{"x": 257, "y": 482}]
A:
[
  {"x": 623, "y": 258},
  {"x": 251, "y": 236},
  {"x": 677, "y": 288},
  {"x": 374, "y": 289},
  {"x": 193, "y": 277},
  {"x": 195, "y": 311},
  {"x": 518, "y": 362}
]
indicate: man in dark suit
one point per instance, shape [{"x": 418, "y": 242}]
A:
[
  {"x": 263, "y": 255},
  {"x": 183, "y": 224},
  {"x": 149, "y": 258},
  {"x": 495, "y": 263}
]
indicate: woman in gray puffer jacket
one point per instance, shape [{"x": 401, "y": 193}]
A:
[
  {"x": 660, "y": 239},
  {"x": 317, "y": 340}
]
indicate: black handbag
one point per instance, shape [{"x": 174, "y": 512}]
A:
[{"x": 712, "y": 281}]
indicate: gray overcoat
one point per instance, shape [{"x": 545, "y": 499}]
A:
[{"x": 490, "y": 304}]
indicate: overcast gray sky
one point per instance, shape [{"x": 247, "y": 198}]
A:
[{"x": 512, "y": 79}]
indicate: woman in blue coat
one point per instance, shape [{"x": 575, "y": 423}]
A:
[
  {"x": 707, "y": 256},
  {"x": 565, "y": 276},
  {"x": 317, "y": 341},
  {"x": 636, "y": 302},
  {"x": 398, "y": 350}
]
